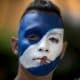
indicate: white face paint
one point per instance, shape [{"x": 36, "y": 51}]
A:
[{"x": 49, "y": 47}]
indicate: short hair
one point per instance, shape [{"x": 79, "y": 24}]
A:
[{"x": 42, "y": 5}]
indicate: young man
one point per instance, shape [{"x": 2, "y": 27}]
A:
[{"x": 40, "y": 45}]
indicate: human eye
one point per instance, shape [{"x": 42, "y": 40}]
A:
[
  {"x": 32, "y": 37},
  {"x": 54, "y": 40}
]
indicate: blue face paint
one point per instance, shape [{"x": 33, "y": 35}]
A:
[{"x": 37, "y": 23}]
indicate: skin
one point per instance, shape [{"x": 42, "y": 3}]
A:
[{"x": 50, "y": 46}]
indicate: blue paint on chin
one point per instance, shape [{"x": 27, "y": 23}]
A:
[{"x": 43, "y": 70}]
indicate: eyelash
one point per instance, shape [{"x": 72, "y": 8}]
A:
[
  {"x": 32, "y": 37},
  {"x": 52, "y": 39}
]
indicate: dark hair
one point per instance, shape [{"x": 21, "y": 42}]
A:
[{"x": 43, "y": 5}]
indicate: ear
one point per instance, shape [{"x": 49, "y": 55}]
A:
[
  {"x": 64, "y": 49},
  {"x": 14, "y": 45}
]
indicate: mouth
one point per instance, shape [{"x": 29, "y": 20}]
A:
[{"x": 43, "y": 60}]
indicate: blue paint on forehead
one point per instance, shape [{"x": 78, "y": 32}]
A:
[
  {"x": 38, "y": 23},
  {"x": 50, "y": 19}
]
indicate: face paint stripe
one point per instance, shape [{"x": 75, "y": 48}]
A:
[{"x": 39, "y": 24}]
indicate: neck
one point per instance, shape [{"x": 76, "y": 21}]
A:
[{"x": 24, "y": 75}]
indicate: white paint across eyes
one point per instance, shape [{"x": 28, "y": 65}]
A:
[{"x": 54, "y": 49}]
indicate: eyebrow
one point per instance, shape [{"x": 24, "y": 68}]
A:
[
  {"x": 55, "y": 33},
  {"x": 32, "y": 29}
]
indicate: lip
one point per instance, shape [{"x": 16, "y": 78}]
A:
[{"x": 43, "y": 60}]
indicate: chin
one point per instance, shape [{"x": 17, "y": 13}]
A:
[{"x": 45, "y": 69}]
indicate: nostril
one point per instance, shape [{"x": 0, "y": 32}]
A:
[
  {"x": 46, "y": 50},
  {"x": 40, "y": 49}
]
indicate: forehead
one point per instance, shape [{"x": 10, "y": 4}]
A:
[{"x": 43, "y": 20}]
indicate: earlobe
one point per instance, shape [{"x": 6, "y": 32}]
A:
[
  {"x": 14, "y": 45},
  {"x": 64, "y": 49}
]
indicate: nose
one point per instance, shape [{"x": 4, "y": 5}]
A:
[{"x": 43, "y": 47}]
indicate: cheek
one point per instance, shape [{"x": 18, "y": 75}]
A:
[
  {"x": 22, "y": 46},
  {"x": 28, "y": 55},
  {"x": 56, "y": 47},
  {"x": 55, "y": 50},
  {"x": 31, "y": 50}
]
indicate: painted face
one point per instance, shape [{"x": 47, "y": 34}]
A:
[{"x": 40, "y": 42}]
